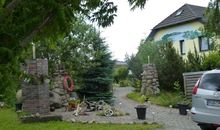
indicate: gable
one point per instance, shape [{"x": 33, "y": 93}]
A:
[{"x": 185, "y": 13}]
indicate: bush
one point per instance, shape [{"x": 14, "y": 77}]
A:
[
  {"x": 120, "y": 73},
  {"x": 167, "y": 98},
  {"x": 124, "y": 83},
  {"x": 163, "y": 99},
  {"x": 211, "y": 61},
  {"x": 136, "y": 83}
]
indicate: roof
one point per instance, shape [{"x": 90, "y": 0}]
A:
[
  {"x": 121, "y": 63},
  {"x": 187, "y": 13}
]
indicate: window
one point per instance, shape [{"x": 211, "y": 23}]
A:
[
  {"x": 179, "y": 12},
  {"x": 210, "y": 82},
  {"x": 182, "y": 47},
  {"x": 203, "y": 44}
]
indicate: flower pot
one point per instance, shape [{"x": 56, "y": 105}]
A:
[
  {"x": 18, "y": 106},
  {"x": 141, "y": 111},
  {"x": 183, "y": 109}
]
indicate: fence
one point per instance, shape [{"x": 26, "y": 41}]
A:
[{"x": 190, "y": 80}]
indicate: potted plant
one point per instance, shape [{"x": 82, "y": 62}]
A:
[{"x": 141, "y": 108}]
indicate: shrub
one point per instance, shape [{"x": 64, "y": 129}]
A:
[
  {"x": 120, "y": 73},
  {"x": 167, "y": 98},
  {"x": 124, "y": 83},
  {"x": 211, "y": 61},
  {"x": 136, "y": 83}
]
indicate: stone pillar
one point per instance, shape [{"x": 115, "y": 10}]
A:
[
  {"x": 150, "y": 84},
  {"x": 57, "y": 81}
]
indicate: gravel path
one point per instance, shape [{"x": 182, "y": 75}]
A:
[{"x": 170, "y": 118}]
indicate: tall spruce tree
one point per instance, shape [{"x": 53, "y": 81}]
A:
[{"x": 98, "y": 77}]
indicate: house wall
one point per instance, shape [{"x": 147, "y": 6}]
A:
[
  {"x": 192, "y": 26},
  {"x": 188, "y": 32}
]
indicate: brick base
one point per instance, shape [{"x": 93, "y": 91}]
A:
[{"x": 36, "y": 98}]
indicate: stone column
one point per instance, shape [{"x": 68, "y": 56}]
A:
[{"x": 150, "y": 84}]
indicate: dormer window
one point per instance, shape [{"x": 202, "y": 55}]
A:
[{"x": 179, "y": 12}]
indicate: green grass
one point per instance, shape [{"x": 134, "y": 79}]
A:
[
  {"x": 163, "y": 99},
  {"x": 9, "y": 121},
  {"x": 136, "y": 97}
]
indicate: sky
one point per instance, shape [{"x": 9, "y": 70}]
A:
[{"x": 124, "y": 36}]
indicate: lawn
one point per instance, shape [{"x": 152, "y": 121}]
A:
[{"x": 9, "y": 121}]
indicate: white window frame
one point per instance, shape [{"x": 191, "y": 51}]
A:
[{"x": 204, "y": 44}]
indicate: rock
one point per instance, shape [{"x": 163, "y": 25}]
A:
[
  {"x": 2, "y": 104},
  {"x": 103, "y": 122},
  {"x": 84, "y": 122},
  {"x": 91, "y": 122},
  {"x": 59, "y": 91},
  {"x": 37, "y": 115},
  {"x": 55, "y": 100},
  {"x": 130, "y": 123},
  {"x": 19, "y": 96},
  {"x": 73, "y": 120}
]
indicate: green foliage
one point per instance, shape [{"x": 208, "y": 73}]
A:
[
  {"x": 85, "y": 56},
  {"x": 211, "y": 61},
  {"x": 213, "y": 16},
  {"x": 137, "y": 3},
  {"x": 198, "y": 62},
  {"x": 124, "y": 83},
  {"x": 135, "y": 65},
  {"x": 25, "y": 21},
  {"x": 136, "y": 97},
  {"x": 120, "y": 73},
  {"x": 136, "y": 83},
  {"x": 165, "y": 57},
  {"x": 163, "y": 99},
  {"x": 167, "y": 99},
  {"x": 177, "y": 86},
  {"x": 9, "y": 120},
  {"x": 194, "y": 61},
  {"x": 170, "y": 67},
  {"x": 9, "y": 78},
  {"x": 148, "y": 51},
  {"x": 22, "y": 22}
]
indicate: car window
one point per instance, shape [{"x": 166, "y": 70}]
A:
[{"x": 210, "y": 82}]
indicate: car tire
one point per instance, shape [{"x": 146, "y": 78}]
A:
[{"x": 207, "y": 127}]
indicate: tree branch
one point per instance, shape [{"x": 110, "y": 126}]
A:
[
  {"x": 12, "y": 5},
  {"x": 27, "y": 39}
]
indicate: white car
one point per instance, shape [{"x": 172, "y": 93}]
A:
[{"x": 206, "y": 101}]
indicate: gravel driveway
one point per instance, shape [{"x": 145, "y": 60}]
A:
[{"x": 170, "y": 118}]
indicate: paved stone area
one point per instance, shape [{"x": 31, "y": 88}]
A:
[{"x": 170, "y": 118}]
